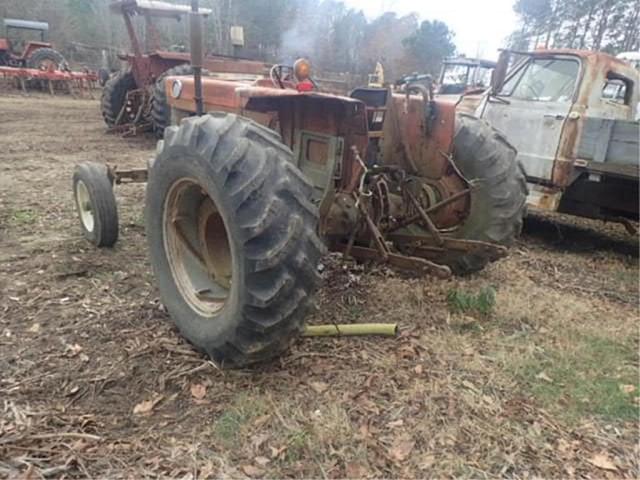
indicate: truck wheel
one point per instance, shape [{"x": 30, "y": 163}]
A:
[
  {"x": 114, "y": 94},
  {"x": 43, "y": 58},
  {"x": 498, "y": 201},
  {"x": 232, "y": 237},
  {"x": 96, "y": 204}
]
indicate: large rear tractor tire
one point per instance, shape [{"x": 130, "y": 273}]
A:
[
  {"x": 43, "y": 58},
  {"x": 498, "y": 199},
  {"x": 114, "y": 95},
  {"x": 160, "y": 108},
  {"x": 232, "y": 237},
  {"x": 96, "y": 204}
]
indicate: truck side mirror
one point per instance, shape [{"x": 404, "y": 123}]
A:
[{"x": 500, "y": 72}]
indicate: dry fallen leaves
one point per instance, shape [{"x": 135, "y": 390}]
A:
[
  {"x": 627, "y": 388},
  {"x": 355, "y": 470},
  {"x": 401, "y": 448},
  {"x": 73, "y": 350},
  {"x": 543, "y": 376},
  {"x": 198, "y": 391},
  {"x": 277, "y": 452},
  {"x": 319, "y": 387},
  {"x": 601, "y": 460},
  {"x": 258, "y": 440},
  {"x": 427, "y": 461},
  {"x": 145, "y": 407},
  {"x": 252, "y": 471},
  {"x": 395, "y": 423},
  {"x": 35, "y": 328}
]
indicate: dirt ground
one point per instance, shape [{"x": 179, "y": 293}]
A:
[{"x": 528, "y": 369}]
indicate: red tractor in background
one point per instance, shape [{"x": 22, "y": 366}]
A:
[
  {"x": 135, "y": 97},
  {"x": 35, "y": 54}
]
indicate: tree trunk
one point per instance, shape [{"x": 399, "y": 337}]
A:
[
  {"x": 587, "y": 25},
  {"x": 602, "y": 26}
]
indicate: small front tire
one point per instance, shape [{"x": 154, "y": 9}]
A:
[{"x": 96, "y": 204}]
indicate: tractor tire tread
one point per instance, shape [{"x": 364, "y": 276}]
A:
[
  {"x": 491, "y": 159},
  {"x": 277, "y": 237}
]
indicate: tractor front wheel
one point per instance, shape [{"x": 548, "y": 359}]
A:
[
  {"x": 232, "y": 237},
  {"x": 499, "y": 193},
  {"x": 96, "y": 204}
]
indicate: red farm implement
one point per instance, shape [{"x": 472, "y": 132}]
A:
[{"x": 51, "y": 80}]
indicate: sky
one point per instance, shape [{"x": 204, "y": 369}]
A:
[{"x": 480, "y": 27}]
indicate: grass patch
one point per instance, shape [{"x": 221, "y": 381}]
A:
[
  {"x": 589, "y": 379},
  {"x": 23, "y": 217},
  {"x": 231, "y": 425},
  {"x": 482, "y": 302},
  {"x": 627, "y": 277},
  {"x": 297, "y": 441}
]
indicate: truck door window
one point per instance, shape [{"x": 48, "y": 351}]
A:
[
  {"x": 483, "y": 77},
  {"x": 544, "y": 80},
  {"x": 617, "y": 89},
  {"x": 454, "y": 80}
]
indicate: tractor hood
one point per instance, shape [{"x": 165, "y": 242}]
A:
[{"x": 234, "y": 94}]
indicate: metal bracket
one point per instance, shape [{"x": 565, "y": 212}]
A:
[
  {"x": 425, "y": 246},
  {"x": 403, "y": 262},
  {"x": 134, "y": 175}
]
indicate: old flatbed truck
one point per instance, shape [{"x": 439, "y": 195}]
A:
[{"x": 572, "y": 115}]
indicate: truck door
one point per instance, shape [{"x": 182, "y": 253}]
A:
[{"x": 532, "y": 107}]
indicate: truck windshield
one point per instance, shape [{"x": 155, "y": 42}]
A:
[{"x": 544, "y": 80}]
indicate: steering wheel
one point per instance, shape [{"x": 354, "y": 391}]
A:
[{"x": 279, "y": 74}]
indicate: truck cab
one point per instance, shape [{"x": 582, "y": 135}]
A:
[{"x": 572, "y": 115}]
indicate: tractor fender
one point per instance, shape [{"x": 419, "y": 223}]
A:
[{"x": 32, "y": 47}]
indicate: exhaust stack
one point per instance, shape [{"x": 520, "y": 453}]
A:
[{"x": 197, "y": 57}]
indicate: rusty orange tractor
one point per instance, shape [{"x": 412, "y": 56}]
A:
[
  {"x": 36, "y": 54},
  {"x": 242, "y": 201},
  {"x": 133, "y": 99}
]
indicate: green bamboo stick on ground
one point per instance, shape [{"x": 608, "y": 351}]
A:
[{"x": 355, "y": 329}]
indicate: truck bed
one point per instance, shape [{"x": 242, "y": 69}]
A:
[{"x": 611, "y": 146}]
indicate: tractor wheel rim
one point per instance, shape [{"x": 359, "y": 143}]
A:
[
  {"x": 84, "y": 206},
  {"x": 197, "y": 247},
  {"x": 47, "y": 65}
]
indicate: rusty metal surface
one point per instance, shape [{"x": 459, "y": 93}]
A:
[
  {"x": 134, "y": 175},
  {"x": 552, "y": 136},
  {"x": 544, "y": 198},
  {"x": 416, "y": 185},
  {"x": 588, "y": 103},
  {"x": 147, "y": 67},
  {"x": 404, "y": 262}
]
